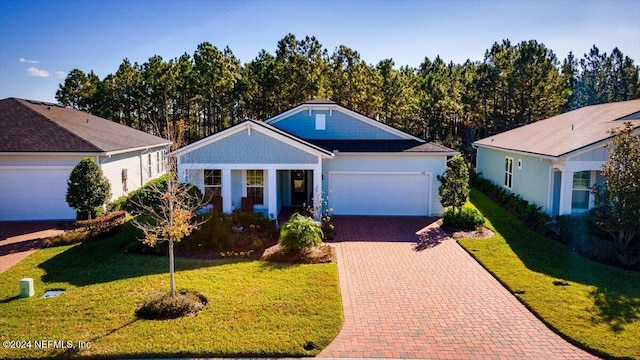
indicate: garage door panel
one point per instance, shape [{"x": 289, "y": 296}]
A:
[
  {"x": 34, "y": 194},
  {"x": 379, "y": 194}
]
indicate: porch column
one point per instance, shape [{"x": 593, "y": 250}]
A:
[
  {"x": 272, "y": 193},
  {"x": 226, "y": 191},
  {"x": 317, "y": 188},
  {"x": 566, "y": 193}
]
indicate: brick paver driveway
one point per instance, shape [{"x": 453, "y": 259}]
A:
[
  {"x": 436, "y": 303},
  {"x": 20, "y": 239}
]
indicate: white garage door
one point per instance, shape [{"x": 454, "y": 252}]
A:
[
  {"x": 379, "y": 193},
  {"x": 34, "y": 194}
]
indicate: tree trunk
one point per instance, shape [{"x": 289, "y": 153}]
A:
[{"x": 172, "y": 283}]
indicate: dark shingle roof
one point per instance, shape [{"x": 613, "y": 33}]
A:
[
  {"x": 379, "y": 146},
  {"x": 320, "y": 101},
  {"x": 30, "y": 126}
]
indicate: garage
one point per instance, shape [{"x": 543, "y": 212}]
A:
[
  {"x": 34, "y": 193},
  {"x": 399, "y": 193}
]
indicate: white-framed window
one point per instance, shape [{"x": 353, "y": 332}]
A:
[
  {"x": 255, "y": 186},
  {"x": 212, "y": 183},
  {"x": 508, "y": 173},
  {"x": 320, "y": 122},
  {"x": 149, "y": 165},
  {"x": 581, "y": 190},
  {"x": 519, "y": 163},
  {"x": 158, "y": 162}
]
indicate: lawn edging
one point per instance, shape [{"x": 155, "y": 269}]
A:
[{"x": 520, "y": 260}]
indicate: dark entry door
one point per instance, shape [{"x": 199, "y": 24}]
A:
[{"x": 298, "y": 187}]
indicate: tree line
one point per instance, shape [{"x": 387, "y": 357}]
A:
[{"x": 453, "y": 104}]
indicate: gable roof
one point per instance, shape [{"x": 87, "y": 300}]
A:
[
  {"x": 565, "y": 133},
  {"x": 33, "y": 126},
  {"x": 325, "y": 104},
  {"x": 259, "y": 126}
]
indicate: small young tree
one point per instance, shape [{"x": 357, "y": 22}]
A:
[
  {"x": 173, "y": 218},
  {"x": 87, "y": 188},
  {"x": 617, "y": 209},
  {"x": 454, "y": 184}
]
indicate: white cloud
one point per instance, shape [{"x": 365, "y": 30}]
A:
[
  {"x": 61, "y": 75},
  {"x": 33, "y": 71},
  {"x": 23, "y": 60}
]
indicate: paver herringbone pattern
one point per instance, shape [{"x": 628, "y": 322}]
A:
[{"x": 438, "y": 303}]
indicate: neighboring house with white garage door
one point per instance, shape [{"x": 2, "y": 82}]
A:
[
  {"x": 317, "y": 149},
  {"x": 40, "y": 143}
]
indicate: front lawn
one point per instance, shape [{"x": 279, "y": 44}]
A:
[
  {"x": 593, "y": 305},
  {"x": 254, "y": 308}
]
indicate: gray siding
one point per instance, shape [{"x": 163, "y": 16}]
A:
[
  {"x": 599, "y": 154},
  {"x": 434, "y": 164},
  {"x": 531, "y": 182},
  {"x": 338, "y": 126},
  {"x": 256, "y": 148}
]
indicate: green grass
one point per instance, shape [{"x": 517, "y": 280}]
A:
[
  {"x": 593, "y": 305},
  {"x": 254, "y": 308}
]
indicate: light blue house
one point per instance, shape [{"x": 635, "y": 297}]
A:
[
  {"x": 554, "y": 163},
  {"x": 318, "y": 150}
]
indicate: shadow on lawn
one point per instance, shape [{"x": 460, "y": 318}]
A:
[
  {"x": 616, "y": 293},
  {"x": 105, "y": 261}
]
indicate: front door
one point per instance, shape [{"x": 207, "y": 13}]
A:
[{"x": 298, "y": 188}]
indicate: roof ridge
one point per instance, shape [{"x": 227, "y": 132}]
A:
[{"x": 20, "y": 101}]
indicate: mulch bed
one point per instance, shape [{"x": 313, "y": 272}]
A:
[{"x": 324, "y": 253}]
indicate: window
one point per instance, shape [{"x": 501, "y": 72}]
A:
[
  {"x": 255, "y": 186},
  {"x": 149, "y": 166},
  {"x": 519, "y": 163},
  {"x": 508, "y": 173},
  {"x": 158, "y": 162},
  {"x": 581, "y": 190},
  {"x": 320, "y": 122},
  {"x": 212, "y": 183}
]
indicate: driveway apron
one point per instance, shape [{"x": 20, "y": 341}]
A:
[
  {"x": 20, "y": 239},
  {"x": 434, "y": 303}
]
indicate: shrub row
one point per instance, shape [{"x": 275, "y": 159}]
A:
[
  {"x": 148, "y": 195},
  {"x": 530, "y": 214},
  {"x": 85, "y": 230},
  {"x": 217, "y": 233}
]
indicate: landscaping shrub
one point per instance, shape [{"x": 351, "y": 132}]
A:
[
  {"x": 217, "y": 233},
  {"x": 530, "y": 214},
  {"x": 165, "y": 306},
  {"x": 581, "y": 234},
  {"x": 85, "y": 230},
  {"x": 467, "y": 218},
  {"x": 148, "y": 195},
  {"x": 300, "y": 232}
]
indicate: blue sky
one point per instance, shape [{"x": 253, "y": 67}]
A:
[{"x": 41, "y": 41}]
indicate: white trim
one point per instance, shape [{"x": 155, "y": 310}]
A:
[
  {"x": 401, "y": 153},
  {"x": 346, "y": 172},
  {"x": 524, "y": 153},
  {"x": 240, "y": 166},
  {"x": 36, "y": 167},
  {"x": 336, "y": 107},
  {"x": 510, "y": 186},
  {"x": 22, "y": 153}
]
